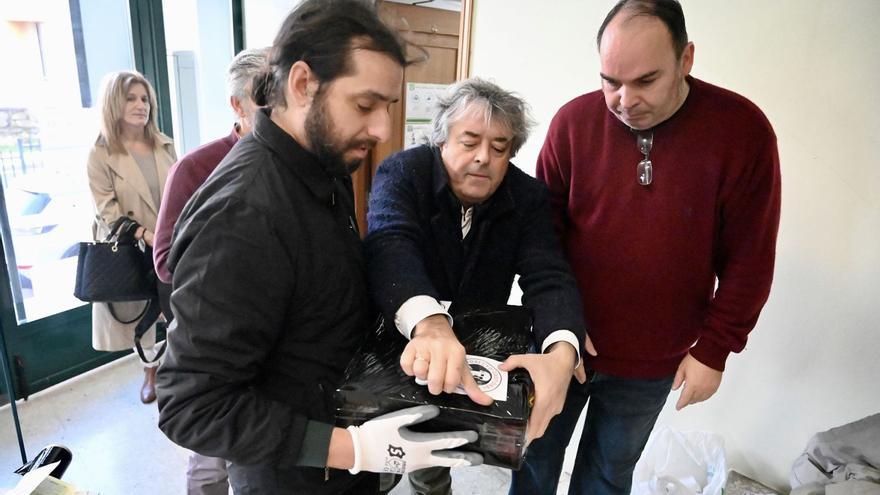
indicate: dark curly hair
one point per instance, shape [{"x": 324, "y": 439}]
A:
[{"x": 323, "y": 34}]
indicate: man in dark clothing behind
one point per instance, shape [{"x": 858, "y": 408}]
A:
[
  {"x": 270, "y": 297},
  {"x": 456, "y": 221}
]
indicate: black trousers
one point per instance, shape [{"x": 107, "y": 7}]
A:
[{"x": 165, "y": 300}]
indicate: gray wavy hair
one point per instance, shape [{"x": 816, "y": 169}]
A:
[
  {"x": 498, "y": 105},
  {"x": 247, "y": 64}
]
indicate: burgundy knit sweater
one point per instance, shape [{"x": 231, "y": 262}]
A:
[
  {"x": 184, "y": 178},
  {"x": 647, "y": 257}
]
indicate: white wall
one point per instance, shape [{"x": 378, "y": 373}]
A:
[
  {"x": 216, "y": 49},
  {"x": 203, "y": 27},
  {"x": 262, "y": 18},
  {"x": 813, "y": 66}
]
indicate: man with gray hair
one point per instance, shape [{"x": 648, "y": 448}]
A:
[
  {"x": 455, "y": 221},
  {"x": 206, "y": 475},
  {"x": 191, "y": 171}
]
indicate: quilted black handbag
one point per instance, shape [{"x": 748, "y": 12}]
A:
[{"x": 116, "y": 269}]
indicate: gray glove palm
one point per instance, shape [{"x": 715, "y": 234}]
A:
[{"x": 385, "y": 444}]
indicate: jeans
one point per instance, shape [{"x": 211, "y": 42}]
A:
[{"x": 620, "y": 417}]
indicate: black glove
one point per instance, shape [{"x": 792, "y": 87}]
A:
[{"x": 123, "y": 229}]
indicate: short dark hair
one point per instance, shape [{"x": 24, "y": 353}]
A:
[
  {"x": 668, "y": 11},
  {"x": 323, "y": 34}
]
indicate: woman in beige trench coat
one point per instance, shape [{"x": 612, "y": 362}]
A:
[{"x": 127, "y": 168}]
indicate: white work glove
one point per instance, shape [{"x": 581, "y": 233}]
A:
[{"x": 385, "y": 445}]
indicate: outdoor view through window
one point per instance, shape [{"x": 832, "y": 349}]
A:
[{"x": 54, "y": 59}]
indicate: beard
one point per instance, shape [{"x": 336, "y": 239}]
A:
[{"x": 322, "y": 135}]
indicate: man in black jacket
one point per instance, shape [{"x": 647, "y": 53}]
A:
[
  {"x": 456, "y": 221},
  {"x": 270, "y": 293}
]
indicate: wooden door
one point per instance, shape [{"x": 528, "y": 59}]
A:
[{"x": 435, "y": 33}]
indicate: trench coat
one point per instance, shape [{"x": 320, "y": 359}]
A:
[{"x": 119, "y": 188}]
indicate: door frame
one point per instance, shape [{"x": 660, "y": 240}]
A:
[{"x": 362, "y": 178}]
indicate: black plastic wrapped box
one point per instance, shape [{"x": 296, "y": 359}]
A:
[{"x": 375, "y": 384}]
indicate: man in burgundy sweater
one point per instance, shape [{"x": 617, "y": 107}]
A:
[
  {"x": 662, "y": 185},
  {"x": 191, "y": 171},
  {"x": 206, "y": 475}
]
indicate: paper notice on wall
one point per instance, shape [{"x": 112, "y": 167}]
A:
[
  {"x": 415, "y": 134},
  {"x": 421, "y": 108}
]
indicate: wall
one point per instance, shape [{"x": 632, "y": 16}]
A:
[
  {"x": 216, "y": 52},
  {"x": 210, "y": 43},
  {"x": 262, "y": 18},
  {"x": 814, "y": 68}
]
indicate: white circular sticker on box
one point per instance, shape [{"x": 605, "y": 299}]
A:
[{"x": 488, "y": 376}]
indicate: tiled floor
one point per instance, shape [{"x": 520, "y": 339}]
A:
[{"x": 117, "y": 448}]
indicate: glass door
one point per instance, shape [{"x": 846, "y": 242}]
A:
[
  {"x": 60, "y": 50},
  {"x": 55, "y": 54}
]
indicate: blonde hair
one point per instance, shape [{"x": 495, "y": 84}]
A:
[{"x": 113, "y": 99}]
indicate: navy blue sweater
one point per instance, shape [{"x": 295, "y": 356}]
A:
[{"x": 415, "y": 247}]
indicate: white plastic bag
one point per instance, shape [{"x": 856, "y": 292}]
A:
[{"x": 681, "y": 463}]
